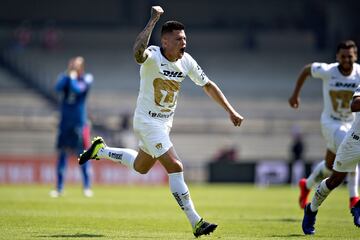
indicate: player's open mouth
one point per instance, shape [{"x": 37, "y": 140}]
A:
[{"x": 182, "y": 50}]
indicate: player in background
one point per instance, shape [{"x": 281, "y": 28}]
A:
[
  {"x": 161, "y": 73},
  {"x": 347, "y": 158},
  {"x": 340, "y": 80},
  {"x": 73, "y": 131}
]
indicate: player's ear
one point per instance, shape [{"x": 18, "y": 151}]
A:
[
  {"x": 164, "y": 41},
  {"x": 337, "y": 57}
]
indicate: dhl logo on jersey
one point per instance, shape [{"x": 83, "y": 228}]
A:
[{"x": 173, "y": 74}]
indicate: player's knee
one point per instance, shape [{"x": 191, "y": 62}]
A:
[
  {"x": 335, "y": 180},
  {"x": 329, "y": 166},
  {"x": 178, "y": 166}
]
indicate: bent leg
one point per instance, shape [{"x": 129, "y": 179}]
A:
[
  {"x": 125, "y": 156},
  {"x": 322, "y": 170},
  {"x": 325, "y": 187}
]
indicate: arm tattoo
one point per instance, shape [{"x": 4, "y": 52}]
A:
[{"x": 142, "y": 41}]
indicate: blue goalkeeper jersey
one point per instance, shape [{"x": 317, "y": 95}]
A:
[{"x": 73, "y": 99}]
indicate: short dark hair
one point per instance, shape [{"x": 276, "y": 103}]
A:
[
  {"x": 170, "y": 26},
  {"x": 347, "y": 44}
]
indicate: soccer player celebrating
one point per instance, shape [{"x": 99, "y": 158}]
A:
[
  {"x": 162, "y": 71},
  {"x": 347, "y": 158},
  {"x": 340, "y": 80}
]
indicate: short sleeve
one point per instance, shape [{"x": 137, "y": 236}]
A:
[
  {"x": 357, "y": 92},
  {"x": 151, "y": 54},
  {"x": 196, "y": 74},
  {"x": 319, "y": 70}
]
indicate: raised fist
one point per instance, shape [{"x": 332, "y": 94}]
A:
[{"x": 156, "y": 12}]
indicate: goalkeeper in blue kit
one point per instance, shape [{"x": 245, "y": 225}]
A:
[{"x": 73, "y": 131}]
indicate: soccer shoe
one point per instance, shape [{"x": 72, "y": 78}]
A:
[
  {"x": 304, "y": 193},
  {"x": 355, "y": 211},
  {"x": 88, "y": 193},
  {"x": 353, "y": 201},
  {"x": 308, "y": 220},
  {"x": 203, "y": 228},
  {"x": 91, "y": 153},
  {"x": 55, "y": 193}
]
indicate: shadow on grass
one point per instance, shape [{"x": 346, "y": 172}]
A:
[
  {"x": 77, "y": 235},
  {"x": 287, "y": 220},
  {"x": 86, "y": 235},
  {"x": 288, "y": 236},
  {"x": 274, "y": 220}
]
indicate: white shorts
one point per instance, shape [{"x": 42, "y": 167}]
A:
[
  {"x": 334, "y": 132},
  {"x": 348, "y": 154},
  {"x": 153, "y": 137}
]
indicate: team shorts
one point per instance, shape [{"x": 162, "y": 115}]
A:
[
  {"x": 74, "y": 138},
  {"x": 348, "y": 155},
  {"x": 334, "y": 132},
  {"x": 153, "y": 137}
]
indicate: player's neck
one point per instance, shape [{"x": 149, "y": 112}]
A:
[
  {"x": 345, "y": 72},
  {"x": 167, "y": 56}
]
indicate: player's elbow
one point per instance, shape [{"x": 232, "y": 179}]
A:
[
  {"x": 138, "y": 55},
  {"x": 208, "y": 86}
]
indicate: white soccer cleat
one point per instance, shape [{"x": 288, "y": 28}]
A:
[
  {"x": 55, "y": 194},
  {"x": 88, "y": 193}
]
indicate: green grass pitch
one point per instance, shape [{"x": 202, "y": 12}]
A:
[{"x": 150, "y": 212}]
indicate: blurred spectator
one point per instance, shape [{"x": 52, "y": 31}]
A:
[
  {"x": 23, "y": 35},
  {"x": 50, "y": 36},
  {"x": 297, "y": 155},
  {"x": 228, "y": 154},
  {"x": 297, "y": 147},
  {"x": 74, "y": 131}
]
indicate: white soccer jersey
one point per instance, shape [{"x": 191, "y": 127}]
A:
[
  {"x": 355, "y": 128},
  {"x": 337, "y": 90},
  {"x": 161, "y": 82},
  {"x": 356, "y": 124},
  {"x": 348, "y": 155}
]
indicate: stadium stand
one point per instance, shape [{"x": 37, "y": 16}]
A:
[
  {"x": 259, "y": 89},
  {"x": 27, "y": 122}
]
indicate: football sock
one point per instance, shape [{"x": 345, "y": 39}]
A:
[
  {"x": 352, "y": 183},
  {"x": 321, "y": 193},
  {"x": 86, "y": 174},
  {"x": 182, "y": 195},
  {"x": 60, "y": 170},
  {"x": 125, "y": 156},
  {"x": 319, "y": 173}
]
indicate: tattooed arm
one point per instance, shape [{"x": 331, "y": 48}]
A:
[{"x": 143, "y": 38}]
